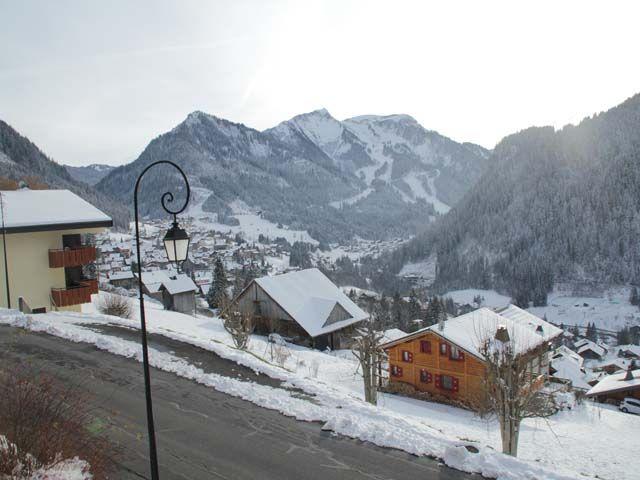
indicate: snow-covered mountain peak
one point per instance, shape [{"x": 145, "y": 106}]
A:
[{"x": 398, "y": 117}]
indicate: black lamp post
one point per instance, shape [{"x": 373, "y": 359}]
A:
[{"x": 176, "y": 243}]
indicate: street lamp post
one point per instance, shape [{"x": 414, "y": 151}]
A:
[{"x": 176, "y": 243}]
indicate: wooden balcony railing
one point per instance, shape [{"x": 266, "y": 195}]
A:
[
  {"x": 65, "y": 297},
  {"x": 72, "y": 257}
]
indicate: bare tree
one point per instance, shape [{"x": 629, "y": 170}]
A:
[
  {"x": 511, "y": 389},
  {"x": 239, "y": 326},
  {"x": 366, "y": 348}
]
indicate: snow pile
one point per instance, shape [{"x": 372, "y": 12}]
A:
[{"x": 71, "y": 469}]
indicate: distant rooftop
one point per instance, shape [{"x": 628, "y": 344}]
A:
[{"x": 40, "y": 210}]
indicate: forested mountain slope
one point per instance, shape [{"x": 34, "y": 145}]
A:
[
  {"x": 552, "y": 205},
  {"x": 89, "y": 174},
  {"x": 20, "y": 159}
]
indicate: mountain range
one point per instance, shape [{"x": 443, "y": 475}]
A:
[
  {"x": 372, "y": 176},
  {"x": 89, "y": 174},
  {"x": 553, "y": 205}
]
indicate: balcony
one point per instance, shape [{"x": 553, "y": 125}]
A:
[
  {"x": 72, "y": 257},
  {"x": 65, "y": 297}
]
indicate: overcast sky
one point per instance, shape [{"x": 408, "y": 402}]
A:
[{"x": 94, "y": 82}]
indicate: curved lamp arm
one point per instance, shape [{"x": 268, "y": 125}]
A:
[{"x": 167, "y": 197}]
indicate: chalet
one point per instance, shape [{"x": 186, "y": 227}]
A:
[
  {"x": 49, "y": 257},
  {"x": 614, "y": 388},
  {"x": 589, "y": 350},
  {"x": 567, "y": 367},
  {"x": 303, "y": 306},
  {"x": 630, "y": 351},
  {"x": 445, "y": 361},
  {"x": 612, "y": 366},
  {"x": 175, "y": 290},
  {"x": 122, "y": 279}
]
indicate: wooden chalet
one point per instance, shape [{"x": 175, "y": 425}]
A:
[
  {"x": 444, "y": 360},
  {"x": 614, "y": 388},
  {"x": 303, "y": 306}
]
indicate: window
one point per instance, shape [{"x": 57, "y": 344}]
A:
[
  {"x": 456, "y": 354},
  {"x": 425, "y": 346},
  {"x": 447, "y": 382},
  {"x": 407, "y": 356},
  {"x": 396, "y": 371},
  {"x": 443, "y": 348},
  {"x": 425, "y": 377}
]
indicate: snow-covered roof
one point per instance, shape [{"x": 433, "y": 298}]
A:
[
  {"x": 471, "y": 330},
  {"x": 594, "y": 347},
  {"x": 616, "y": 382},
  {"x": 633, "y": 349},
  {"x": 153, "y": 280},
  {"x": 37, "y": 210},
  {"x": 392, "y": 334},
  {"x": 563, "y": 351},
  {"x": 523, "y": 317},
  {"x": 173, "y": 282},
  {"x": 309, "y": 297},
  {"x": 568, "y": 368},
  {"x": 122, "y": 275},
  {"x": 180, "y": 283}
]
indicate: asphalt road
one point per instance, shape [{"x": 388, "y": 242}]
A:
[{"x": 202, "y": 433}]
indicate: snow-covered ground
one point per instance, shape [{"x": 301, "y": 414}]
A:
[
  {"x": 425, "y": 270},
  {"x": 610, "y": 311},
  {"x": 69, "y": 469},
  {"x": 587, "y": 440},
  {"x": 251, "y": 222},
  {"x": 490, "y": 298}
]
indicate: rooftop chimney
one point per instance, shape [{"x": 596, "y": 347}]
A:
[
  {"x": 540, "y": 330},
  {"x": 628, "y": 376},
  {"x": 502, "y": 334}
]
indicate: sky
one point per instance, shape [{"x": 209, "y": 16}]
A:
[{"x": 94, "y": 82}]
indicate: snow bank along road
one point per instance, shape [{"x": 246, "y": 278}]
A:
[{"x": 203, "y": 433}]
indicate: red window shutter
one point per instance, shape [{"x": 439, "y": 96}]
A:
[
  {"x": 455, "y": 384},
  {"x": 461, "y": 356},
  {"x": 429, "y": 377},
  {"x": 438, "y": 383},
  {"x": 399, "y": 371},
  {"x": 410, "y": 357}
]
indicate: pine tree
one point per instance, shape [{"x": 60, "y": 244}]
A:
[
  {"x": 397, "y": 312},
  {"x": 217, "y": 294},
  {"x": 414, "y": 306},
  {"x": 634, "y": 299}
]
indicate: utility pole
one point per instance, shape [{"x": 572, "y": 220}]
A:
[{"x": 4, "y": 249}]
